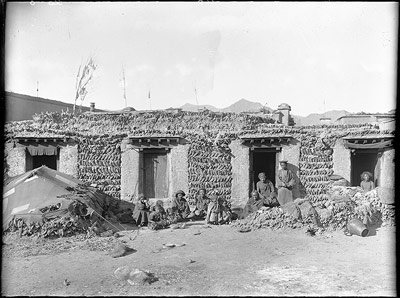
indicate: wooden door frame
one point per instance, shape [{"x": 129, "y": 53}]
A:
[
  {"x": 142, "y": 165},
  {"x": 275, "y": 150}
]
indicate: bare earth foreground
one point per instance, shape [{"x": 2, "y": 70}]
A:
[{"x": 214, "y": 261}]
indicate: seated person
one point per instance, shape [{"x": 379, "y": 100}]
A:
[
  {"x": 172, "y": 216},
  {"x": 142, "y": 210},
  {"x": 366, "y": 181},
  {"x": 213, "y": 210},
  {"x": 225, "y": 214},
  {"x": 180, "y": 206},
  {"x": 200, "y": 210},
  {"x": 158, "y": 203},
  {"x": 266, "y": 191},
  {"x": 158, "y": 218},
  {"x": 253, "y": 204}
]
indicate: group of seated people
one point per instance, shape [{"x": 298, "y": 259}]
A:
[
  {"x": 215, "y": 210},
  {"x": 212, "y": 209}
]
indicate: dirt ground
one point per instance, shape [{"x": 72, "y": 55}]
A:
[{"x": 215, "y": 260}]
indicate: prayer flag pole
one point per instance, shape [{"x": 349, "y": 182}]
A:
[{"x": 149, "y": 99}]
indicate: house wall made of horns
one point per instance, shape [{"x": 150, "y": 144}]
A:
[{"x": 209, "y": 157}]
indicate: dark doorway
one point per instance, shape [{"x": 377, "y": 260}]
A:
[
  {"x": 262, "y": 160},
  {"x": 363, "y": 160},
  {"x": 36, "y": 161},
  {"x": 155, "y": 174}
]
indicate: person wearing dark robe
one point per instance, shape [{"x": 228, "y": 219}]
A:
[
  {"x": 266, "y": 191},
  {"x": 285, "y": 184},
  {"x": 142, "y": 210},
  {"x": 201, "y": 204},
  {"x": 180, "y": 206},
  {"x": 366, "y": 181}
]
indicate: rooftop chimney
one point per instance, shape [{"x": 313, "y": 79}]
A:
[
  {"x": 284, "y": 108},
  {"x": 92, "y": 106}
]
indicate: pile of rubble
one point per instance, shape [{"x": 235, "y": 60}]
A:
[{"x": 341, "y": 205}]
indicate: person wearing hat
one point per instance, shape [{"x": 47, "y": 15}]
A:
[
  {"x": 285, "y": 183},
  {"x": 202, "y": 201},
  {"x": 366, "y": 181},
  {"x": 142, "y": 210},
  {"x": 180, "y": 206}
]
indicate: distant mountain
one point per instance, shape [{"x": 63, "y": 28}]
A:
[
  {"x": 243, "y": 105},
  {"x": 194, "y": 108},
  {"x": 314, "y": 118}
]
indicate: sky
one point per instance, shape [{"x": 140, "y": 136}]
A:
[{"x": 315, "y": 56}]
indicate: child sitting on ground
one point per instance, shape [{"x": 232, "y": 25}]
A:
[
  {"x": 172, "y": 216},
  {"x": 225, "y": 214},
  {"x": 200, "y": 210},
  {"x": 213, "y": 210},
  {"x": 158, "y": 218}
]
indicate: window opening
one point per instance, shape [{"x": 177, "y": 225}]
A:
[{"x": 364, "y": 160}]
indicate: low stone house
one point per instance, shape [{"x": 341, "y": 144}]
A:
[{"x": 159, "y": 152}]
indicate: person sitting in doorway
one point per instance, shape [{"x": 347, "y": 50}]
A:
[
  {"x": 142, "y": 210},
  {"x": 366, "y": 181},
  {"x": 180, "y": 206},
  {"x": 266, "y": 191},
  {"x": 201, "y": 204}
]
